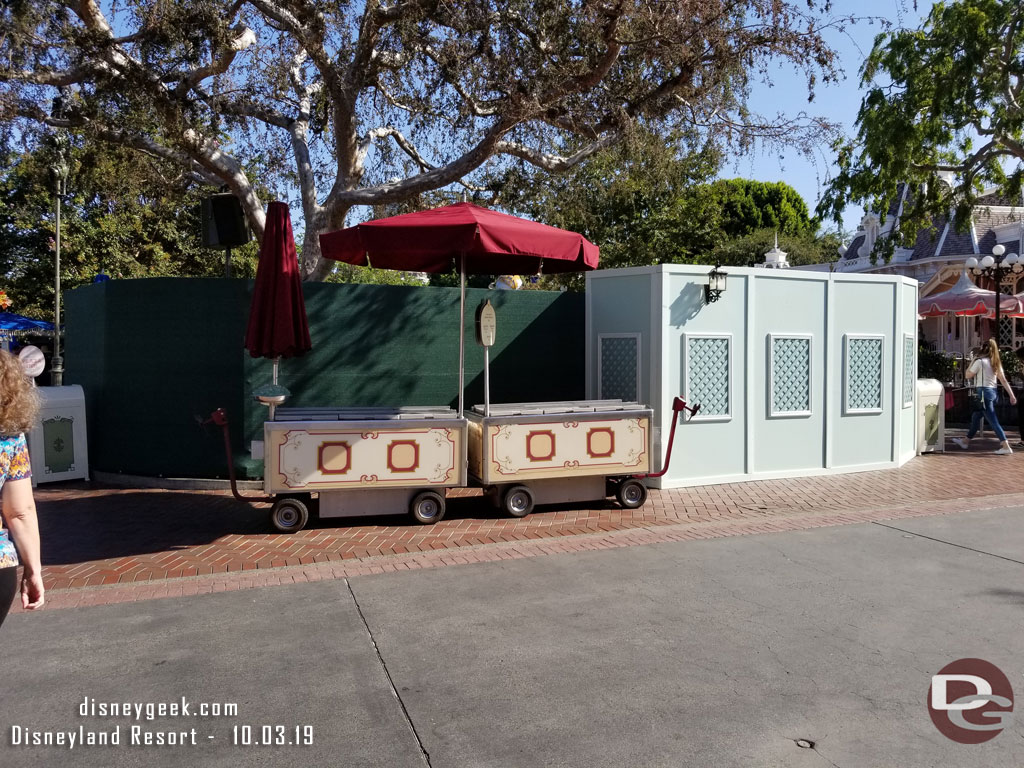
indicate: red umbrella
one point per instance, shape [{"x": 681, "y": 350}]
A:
[
  {"x": 466, "y": 237},
  {"x": 1018, "y": 311},
  {"x": 277, "y": 315},
  {"x": 492, "y": 243},
  {"x": 965, "y": 299}
]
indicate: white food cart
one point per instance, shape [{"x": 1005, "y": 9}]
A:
[
  {"x": 548, "y": 453},
  {"x": 362, "y": 461}
]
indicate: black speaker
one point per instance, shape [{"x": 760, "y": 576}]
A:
[{"x": 223, "y": 222}]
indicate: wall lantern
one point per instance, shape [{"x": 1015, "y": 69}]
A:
[{"x": 716, "y": 284}]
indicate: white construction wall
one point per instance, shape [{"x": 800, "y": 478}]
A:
[{"x": 798, "y": 373}]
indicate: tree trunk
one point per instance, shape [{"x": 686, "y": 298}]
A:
[{"x": 314, "y": 266}]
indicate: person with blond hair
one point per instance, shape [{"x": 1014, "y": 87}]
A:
[
  {"x": 989, "y": 369},
  {"x": 19, "y": 526}
]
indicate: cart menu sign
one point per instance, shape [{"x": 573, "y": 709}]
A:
[{"x": 486, "y": 324}]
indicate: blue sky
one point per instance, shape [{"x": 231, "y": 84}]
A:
[{"x": 839, "y": 102}]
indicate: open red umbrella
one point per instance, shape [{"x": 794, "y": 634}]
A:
[
  {"x": 466, "y": 237},
  {"x": 492, "y": 243},
  {"x": 965, "y": 299},
  {"x": 277, "y": 316}
]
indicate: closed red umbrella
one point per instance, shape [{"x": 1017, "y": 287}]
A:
[{"x": 277, "y": 316}]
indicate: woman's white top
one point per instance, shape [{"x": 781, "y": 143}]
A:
[{"x": 983, "y": 373}]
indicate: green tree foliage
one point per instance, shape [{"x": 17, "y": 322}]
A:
[
  {"x": 367, "y": 103},
  {"x": 121, "y": 213},
  {"x": 346, "y": 273},
  {"x": 806, "y": 247},
  {"x": 630, "y": 200},
  {"x": 948, "y": 97},
  {"x": 749, "y": 215},
  {"x": 646, "y": 202},
  {"x": 744, "y": 206}
]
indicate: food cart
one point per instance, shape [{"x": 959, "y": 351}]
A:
[
  {"x": 361, "y": 461},
  {"x": 548, "y": 453}
]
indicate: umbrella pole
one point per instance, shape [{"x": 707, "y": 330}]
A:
[
  {"x": 487, "y": 382},
  {"x": 462, "y": 329},
  {"x": 273, "y": 407}
]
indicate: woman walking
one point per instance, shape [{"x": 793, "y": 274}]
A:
[
  {"x": 988, "y": 370},
  {"x": 19, "y": 404}
]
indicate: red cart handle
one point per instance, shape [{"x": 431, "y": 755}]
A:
[
  {"x": 220, "y": 418},
  {"x": 678, "y": 405}
]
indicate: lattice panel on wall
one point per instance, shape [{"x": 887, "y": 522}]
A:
[
  {"x": 620, "y": 362},
  {"x": 909, "y": 360},
  {"x": 791, "y": 375},
  {"x": 1005, "y": 331},
  {"x": 707, "y": 374},
  {"x": 863, "y": 374}
]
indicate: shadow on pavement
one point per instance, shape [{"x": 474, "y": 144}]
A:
[
  {"x": 98, "y": 526},
  {"x": 1011, "y": 595},
  {"x": 118, "y": 524}
]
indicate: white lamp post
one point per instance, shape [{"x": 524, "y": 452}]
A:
[{"x": 995, "y": 266}]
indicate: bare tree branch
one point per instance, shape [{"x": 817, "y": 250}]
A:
[
  {"x": 244, "y": 38},
  {"x": 247, "y": 108},
  {"x": 432, "y": 179},
  {"x": 298, "y": 130},
  {"x": 400, "y": 140},
  {"x": 312, "y": 42},
  {"x": 438, "y": 86},
  {"x": 57, "y": 79},
  {"x": 556, "y": 163}
]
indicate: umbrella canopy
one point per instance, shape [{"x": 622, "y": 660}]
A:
[
  {"x": 1018, "y": 311},
  {"x": 965, "y": 298},
  {"x": 468, "y": 238},
  {"x": 277, "y": 316},
  {"x": 491, "y": 242},
  {"x": 11, "y": 324}
]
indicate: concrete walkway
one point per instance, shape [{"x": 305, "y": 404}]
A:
[
  {"x": 103, "y": 545},
  {"x": 720, "y": 652}
]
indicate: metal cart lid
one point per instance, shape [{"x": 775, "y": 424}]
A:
[
  {"x": 363, "y": 414},
  {"x": 565, "y": 406}
]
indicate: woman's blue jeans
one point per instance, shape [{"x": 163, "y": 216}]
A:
[{"x": 988, "y": 395}]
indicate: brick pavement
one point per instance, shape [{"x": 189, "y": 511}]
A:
[{"x": 105, "y": 545}]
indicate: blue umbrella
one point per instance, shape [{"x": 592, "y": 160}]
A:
[{"x": 12, "y": 324}]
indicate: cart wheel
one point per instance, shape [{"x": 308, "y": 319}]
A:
[
  {"x": 631, "y": 494},
  {"x": 518, "y": 501},
  {"x": 427, "y": 507},
  {"x": 289, "y": 515}
]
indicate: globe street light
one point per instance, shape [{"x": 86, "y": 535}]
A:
[{"x": 995, "y": 267}]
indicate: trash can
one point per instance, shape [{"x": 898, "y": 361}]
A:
[
  {"x": 931, "y": 416},
  {"x": 57, "y": 444}
]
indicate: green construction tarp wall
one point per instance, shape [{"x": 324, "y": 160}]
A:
[{"x": 157, "y": 356}]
